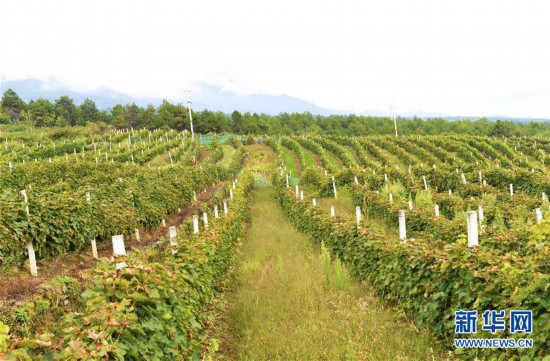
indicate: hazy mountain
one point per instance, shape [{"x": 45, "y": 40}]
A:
[
  {"x": 209, "y": 97},
  {"x": 203, "y": 97}
]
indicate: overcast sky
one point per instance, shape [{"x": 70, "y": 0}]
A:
[{"x": 455, "y": 57}]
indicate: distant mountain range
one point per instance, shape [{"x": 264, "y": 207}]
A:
[{"x": 213, "y": 98}]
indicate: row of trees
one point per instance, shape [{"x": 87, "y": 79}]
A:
[{"x": 63, "y": 111}]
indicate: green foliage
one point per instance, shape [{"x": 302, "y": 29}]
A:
[
  {"x": 155, "y": 308},
  {"x": 431, "y": 281}
]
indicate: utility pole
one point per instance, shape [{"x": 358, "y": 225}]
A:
[
  {"x": 188, "y": 91},
  {"x": 392, "y": 108}
]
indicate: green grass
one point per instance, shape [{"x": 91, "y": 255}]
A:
[
  {"x": 228, "y": 153},
  {"x": 309, "y": 158},
  {"x": 334, "y": 160},
  {"x": 289, "y": 301},
  {"x": 290, "y": 163}
]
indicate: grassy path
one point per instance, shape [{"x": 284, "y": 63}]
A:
[{"x": 288, "y": 301}]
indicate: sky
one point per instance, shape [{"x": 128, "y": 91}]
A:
[{"x": 488, "y": 57}]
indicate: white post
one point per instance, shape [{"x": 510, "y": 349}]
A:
[
  {"x": 543, "y": 196},
  {"x": 194, "y": 196},
  {"x": 173, "y": 235},
  {"x": 195, "y": 223},
  {"x": 216, "y": 214},
  {"x": 358, "y": 216},
  {"x": 138, "y": 238},
  {"x": 480, "y": 178},
  {"x": 94, "y": 243},
  {"x": 314, "y": 201},
  {"x": 450, "y": 192},
  {"x": 334, "y": 187},
  {"x": 463, "y": 178},
  {"x": 205, "y": 220},
  {"x": 409, "y": 169},
  {"x": 356, "y": 180},
  {"x": 391, "y": 197},
  {"x": 436, "y": 207},
  {"x": 30, "y": 247},
  {"x": 425, "y": 183},
  {"x": 119, "y": 250},
  {"x": 10, "y": 165},
  {"x": 225, "y": 207},
  {"x": 402, "y": 226},
  {"x": 231, "y": 193},
  {"x": 484, "y": 182},
  {"x": 511, "y": 189},
  {"x": 301, "y": 195},
  {"x": 297, "y": 192},
  {"x": 332, "y": 211},
  {"x": 473, "y": 234},
  {"x": 538, "y": 211},
  {"x": 287, "y": 183},
  {"x": 163, "y": 222},
  {"x": 410, "y": 204},
  {"x": 385, "y": 178}
]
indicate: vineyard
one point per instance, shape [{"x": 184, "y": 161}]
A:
[{"x": 434, "y": 224}]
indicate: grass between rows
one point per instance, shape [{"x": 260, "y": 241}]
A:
[{"x": 289, "y": 301}]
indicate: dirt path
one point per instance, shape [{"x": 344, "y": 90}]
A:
[{"x": 21, "y": 285}]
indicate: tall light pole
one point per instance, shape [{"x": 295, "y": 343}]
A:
[
  {"x": 392, "y": 108},
  {"x": 188, "y": 91}
]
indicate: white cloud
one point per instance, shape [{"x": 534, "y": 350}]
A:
[{"x": 451, "y": 57}]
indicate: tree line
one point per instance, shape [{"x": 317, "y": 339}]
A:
[{"x": 64, "y": 112}]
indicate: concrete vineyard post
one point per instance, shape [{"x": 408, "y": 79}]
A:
[
  {"x": 314, "y": 201},
  {"x": 94, "y": 244},
  {"x": 205, "y": 220},
  {"x": 538, "y": 212},
  {"x": 410, "y": 205},
  {"x": 138, "y": 238},
  {"x": 173, "y": 243},
  {"x": 30, "y": 247},
  {"x": 473, "y": 235},
  {"x": 225, "y": 207},
  {"x": 163, "y": 222},
  {"x": 463, "y": 178},
  {"x": 216, "y": 214},
  {"x": 391, "y": 197},
  {"x": 436, "y": 209},
  {"x": 119, "y": 251},
  {"x": 450, "y": 192},
  {"x": 287, "y": 183},
  {"x": 297, "y": 192},
  {"x": 195, "y": 223},
  {"x": 425, "y": 183},
  {"x": 301, "y": 195},
  {"x": 332, "y": 211},
  {"x": 402, "y": 226},
  {"x": 356, "y": 180},
  {"x": 358, "y": 216},
  {"x": 231, "y": 193},
  {"x": 334, "y": 187},
  {"x": 511, "y": 189},
  {"x": 385, "y": 178}
]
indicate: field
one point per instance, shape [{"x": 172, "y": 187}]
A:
[{"x": 276, "y": 276}]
